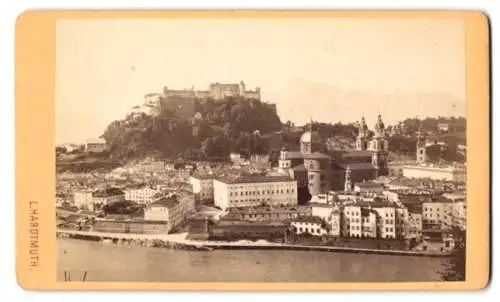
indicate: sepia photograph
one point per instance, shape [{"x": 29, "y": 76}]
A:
[{"x": 260, "y": 150}]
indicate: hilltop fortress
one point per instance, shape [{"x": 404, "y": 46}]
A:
[
  {"x": 184, "y": 98},
  {"x": 216, "y": 91}
]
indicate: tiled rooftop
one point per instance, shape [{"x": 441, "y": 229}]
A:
[{"x": 167, "y": 202}]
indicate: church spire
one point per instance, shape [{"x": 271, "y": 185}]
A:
[{"x": 379, "y": 126}]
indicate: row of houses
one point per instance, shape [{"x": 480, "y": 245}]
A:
[{"x": 91, "y": 200}]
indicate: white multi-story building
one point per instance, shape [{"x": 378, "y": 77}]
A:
[
  {"x": 444, "y": 213},
  {"x": 83, "y": 199},
  {"x": 309, "y": 225},
  {"x": 459, "y": 214},
  {"x": 141, "y": 195},
  {"x": 446, "y": 173},
  {"x": 173, "y": 210},
  {"x": 370, "y": 219},
  {"x": 352, "y": 223},
  {"x": 203, "y": 187},
  {"x": 369, "y": 187},
  {"x": 107, "y": 196},
  {"x": 96, "y": 145},
  {"x": 322, "y": 211},
  {"x": 250, "y": 191}
]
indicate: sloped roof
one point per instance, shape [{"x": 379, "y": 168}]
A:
[
  {"x": 310, "y": 219},
  {"x": 358, "y": 153},
  {"x": 315, "y": 155},
  {"x": 165, "y": 202},
  {"x": 368, "y": 184}
]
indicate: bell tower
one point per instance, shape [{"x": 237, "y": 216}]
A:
[
  {"x": 362, "y": 139},
  {"x": 379, "y": 146},
  {"x": 348, "y": 180},
  {"x": 421, "y": 149}
]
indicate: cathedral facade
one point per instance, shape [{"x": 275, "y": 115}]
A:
[{"x": 320, "y": 172}]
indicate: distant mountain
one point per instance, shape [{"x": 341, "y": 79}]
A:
[{"x": 301, "y": 99}]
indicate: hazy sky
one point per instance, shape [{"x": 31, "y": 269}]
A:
[{"x": 105, "y": 67}]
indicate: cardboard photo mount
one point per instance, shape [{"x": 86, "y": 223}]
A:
[{"x": 36, "y": 249}]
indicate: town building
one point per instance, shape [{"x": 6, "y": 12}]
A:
[
  {"x": 369, "y": 187},
  {"x": 173, "y": 210},
  {"x": 130, "y": 226},
  {"x": 459, "y": 214},
  {"x": 236, "y": 158},
  {"x": 203, "y": 188},
  {"x": 141, "y": 194},
  {"x": 339, "y": 169},
  {"x": 445, "y": 212},
  {"x": 386, "y": 224},
  {"x": 443, "y": 127},
  {"x": 83, "y": 199},
  {"x": 311, "y": 225},
  {"x": 415, "y": 225},
  {"x": 402, "y": 223},
  {"x": 437, "y": 214},
  {"x": 62, "y": 199},
  {"x": 435, "y": 172},
  {"x": 273, "y": 231},
  {"x": 335, "y": 222},
  {"x": 254, "y": 190},
  {"x": 352, "y": 222},
  {"x": 153, "y": 166},
  {"x": 407, "y": 196},
  {"x": 265, "y": 213},
  {"x": 370, "y": 219},
  {"x": 368, "y": 223},
  {"x": 107, "y": 196},
  {"x": 96, "y": 145}
]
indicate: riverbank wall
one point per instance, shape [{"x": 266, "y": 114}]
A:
[{"x": 178, "y": 241}]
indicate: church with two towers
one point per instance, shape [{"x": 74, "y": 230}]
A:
[{"x": 320, "y": 172}]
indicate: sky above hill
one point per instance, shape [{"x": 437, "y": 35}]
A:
[{"x": 328, "y": 69}]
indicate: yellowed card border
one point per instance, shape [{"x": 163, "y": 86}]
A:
[{"x": 35, "y": 154}]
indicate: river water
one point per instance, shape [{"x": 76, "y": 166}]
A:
[{"x": 108, "y": 262}]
